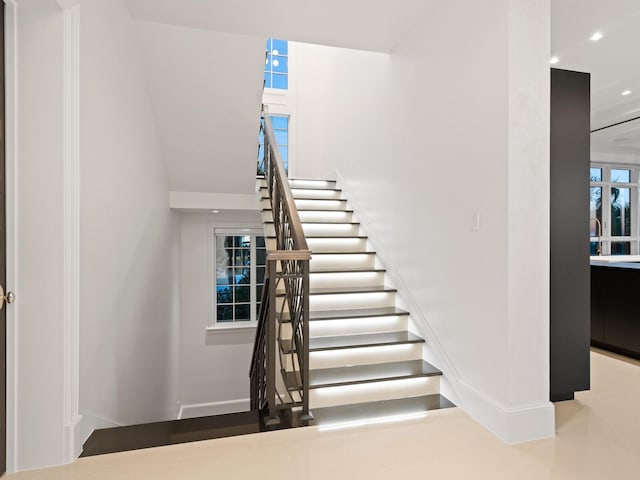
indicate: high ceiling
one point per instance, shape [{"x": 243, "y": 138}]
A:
[
  {"x": 375, "y": 25},
  {"x": 612, "y": 62}
]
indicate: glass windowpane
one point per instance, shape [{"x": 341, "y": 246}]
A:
[
  {"x": 243, "y": 276},
  {"x": 225, "y": 313},
  {"x": 620, "y": 248},
  {"x": 224, "y": 295},
  {"x": 620, "y": 212},
  {"x": 260, "y": 242},
  {"x": 279, "y": 123},
  {"x": 596, "y": 174},
  {"x": 282, "y": 137},
  {"x": 243, "y": 313},
  {"x": 279, "y": 64},
  {"x": 620, "y": 176},
  {"x": 280, "y": 81},
  {"x": 242, "y": 294},
  {"x": 595, "y": 212},
  {"x": 282, "y": 46},
  {"x": 261, "y": 256}
]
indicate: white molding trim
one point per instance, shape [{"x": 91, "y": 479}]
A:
[
  {"x": 11, "y": 166},
  {"x": 511, "y": 425},
  {"x": 213, "y": 408},
  {"x": 72, "y": 442}
]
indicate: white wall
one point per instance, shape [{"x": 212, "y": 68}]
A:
[
  {"x": 129, "y": 237},
  {"x": 451, "y": 126},
  {"x": 214, "y": 365},
  {"x": 38, "y": 364},
  {"x": 205, "y": 89}
]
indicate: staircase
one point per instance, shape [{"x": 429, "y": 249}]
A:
[{"x": 361, "y": 351}]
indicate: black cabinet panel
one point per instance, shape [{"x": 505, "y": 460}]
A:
[
  {"x": 615, "y": 313},
  {"x": 570, "y": 285}
]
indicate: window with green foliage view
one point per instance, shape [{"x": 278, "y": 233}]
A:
[{"x": 240, "y": 260}]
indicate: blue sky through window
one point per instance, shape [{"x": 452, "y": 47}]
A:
[{"x": 276, "y": 68}]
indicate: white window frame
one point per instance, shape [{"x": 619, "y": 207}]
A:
[
  {"x": 213, "y": 323},
  {"x": 634, "y": 199}
]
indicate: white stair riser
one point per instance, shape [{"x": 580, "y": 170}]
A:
[
  {"x": 320, "y": 205},
  {"x": 351, "y": 300},
  {"x": 356, "y": 326},
  {"x": 346, "y": 279},
  {"x": 371, "y": 392},
  {"x": 365, "y": 355},
  {"x": 361, "y": 356},
  {"x": 330, "y": 230},
  {"x": 302, "y": 204},
  {"x": 354, "y": 244},
  {"x": 325, "y": 216},
  {"x": 312, "y": 184},
  {"x": 342, "y": 261},
  {"x": 329, "y": 328},
  {"x": 299, "y": 193}
]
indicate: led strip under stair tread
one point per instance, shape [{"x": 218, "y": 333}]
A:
[
  {"x": 310, "y": 184},
  {"x": 321, "y": 222},
  {"x": 384, "y": 409},
  {"x": 358, "y": 374},
  {"x": 308, "y": 188},
  {"x": 315, "y": 210},
  {"x": 341, "y": 342},
  {"x": 348, "y": 290},
  {"x": 350, "y": 314},
  {"x": 346, "y": 269}
]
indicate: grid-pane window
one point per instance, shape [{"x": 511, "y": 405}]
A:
[
  {"x": 614, "y": 227},
  {"x": 240, "y": 260},
  {"x": 280, "y": 125},
  {"x": 276, "y": 68}
]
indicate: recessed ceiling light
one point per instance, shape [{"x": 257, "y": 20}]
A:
[
  {"x": 554, "y": 60},
  {"x": 596, "y": 36},
  {"x": 215, "y": 211},
  {"x": 626, "y": 92}
]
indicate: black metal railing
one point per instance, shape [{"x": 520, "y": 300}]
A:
[{"x": 282, "y": 338}]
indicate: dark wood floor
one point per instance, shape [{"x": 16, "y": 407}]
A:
[{"x": 134, "y": 437}]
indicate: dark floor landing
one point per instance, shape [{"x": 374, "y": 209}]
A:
[{"x": 134, "y": 437}]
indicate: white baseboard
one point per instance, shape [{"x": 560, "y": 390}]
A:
[
  {"x": 511, "y": 425},
  {"x": 213, "y": 408}
]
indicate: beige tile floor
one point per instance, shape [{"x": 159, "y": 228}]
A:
[{"x": 598, "y": 437}]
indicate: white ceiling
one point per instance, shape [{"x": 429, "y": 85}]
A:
[
  {"x": 206, "y": 92},
  {"x": 612, "y": 62},
  {"x": 375, "y": 25}
]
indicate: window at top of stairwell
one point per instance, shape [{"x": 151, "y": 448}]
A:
[
  {"x": 280, "y": 125},
  {"x": 240, "y": 260},
  {"x": 276, "y": 67}
]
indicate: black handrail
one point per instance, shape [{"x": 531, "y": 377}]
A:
[{"x": 284, "y": 315}]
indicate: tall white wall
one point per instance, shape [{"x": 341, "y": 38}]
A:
[
  {"x": 443, "y": 148},
  {"x": 129, "y": 237},
  {"x": 214, "y": 364},
  {"x": 38, "y": 341}
]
